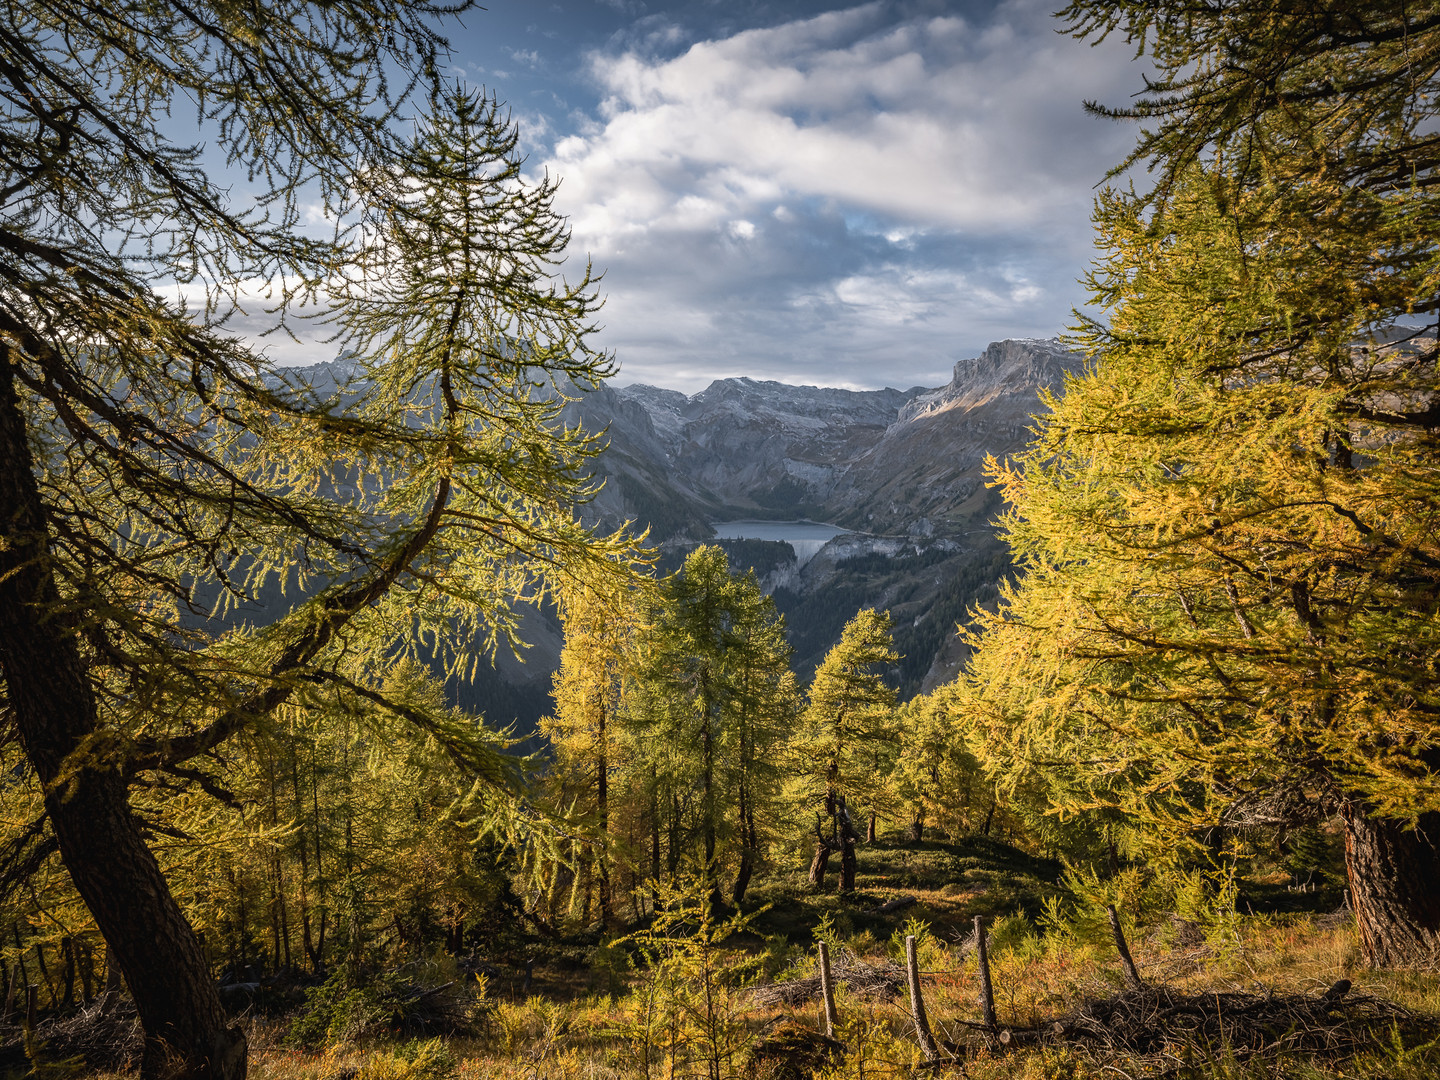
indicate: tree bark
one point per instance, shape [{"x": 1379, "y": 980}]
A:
[
  {"x": 67, "y": 954},
  {"x": 848, "y": 836},
  {"x": 654, "y": 845},
  {"x": 707, "y": 794},
  {"x": 114, "y": 872},
  {"x": 870, "y": 828},
  {"x": 847, "y": 863},
  {"x": 917, "y": 827},
  {"x": 1394, "y": 877},
  {"x": 1127, "y": 962},
  {"x": 820, "y": 864},
  {"x": 602, "y": 804},
  {"x": 749, "y": 848}
]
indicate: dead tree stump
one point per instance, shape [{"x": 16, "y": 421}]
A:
[
  {"x": 987, "y": 992},
  {"x": 917, "y": 1003}
]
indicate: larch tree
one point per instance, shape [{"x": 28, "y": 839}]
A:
[
  {"x": 766, "y": 702},
  {"x": 707, "y": 702},
  {"x": 156, "y": 473},
  {"x": 934, "y": 776},
  {"x": 849, "y": 717},
  {"x": 1228, "y": 522},
  {"x": 584, "y": 730}
]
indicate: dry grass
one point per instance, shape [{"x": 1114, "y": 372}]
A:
[
  {"x": 563, "y": 1034},
  {"x": 1035, "y": 977}
]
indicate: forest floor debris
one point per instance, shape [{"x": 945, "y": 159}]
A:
[
  {"x": 877, "y": 981},
  {"x": 1163, "y": 1020},
  {"x": 105, "y": 1036},
  {"x": 594, "y": 1012}
]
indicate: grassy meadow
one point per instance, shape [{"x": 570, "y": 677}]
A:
[{"x": 698, "y": 999}]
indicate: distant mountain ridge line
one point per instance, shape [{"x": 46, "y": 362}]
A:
[
  {"x": 887, "y": 461},
  {"x": 763, "y": 446}
]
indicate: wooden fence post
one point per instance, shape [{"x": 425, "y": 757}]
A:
[
  {"x": 987, "y": 992},
  {"x": 917, "y": 1003},
  {"x": 827, "y": 992}
]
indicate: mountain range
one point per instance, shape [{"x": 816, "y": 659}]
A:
[{"x": 902, "y": 471}]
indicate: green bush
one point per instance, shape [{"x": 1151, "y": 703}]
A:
[
  {"x": 336, "y": 1011},
  {"x": 1013, "y": 934},
  {"x": 428, "y": 1059}
]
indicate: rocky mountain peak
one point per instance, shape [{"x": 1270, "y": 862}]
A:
[{"x": 1022, "y": 365}]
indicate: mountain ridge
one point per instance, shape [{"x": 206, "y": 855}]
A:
[{"x": 743, "y": 445}]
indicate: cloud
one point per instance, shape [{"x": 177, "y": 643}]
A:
[
  {"x": 294, "y": 334},
  {"x": 860, "y": 197}
]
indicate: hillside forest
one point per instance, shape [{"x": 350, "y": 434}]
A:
[{"x": 246, "y": 827}]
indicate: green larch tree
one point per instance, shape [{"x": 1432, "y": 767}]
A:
[
  {"x": 157, "y": 475},
  {"x": 766, "y": 702},
  {"x": 1228, "y": 522},
  {"x": 584, "y": 730},
  {"x": 848, "y": 719},
  {"x": 934, "y": 776},
  {"x": 708, "y": 701}
]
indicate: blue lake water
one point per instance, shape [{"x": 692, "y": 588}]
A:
[{"x": 806, "y": 537}]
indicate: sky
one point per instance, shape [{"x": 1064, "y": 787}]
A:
[{"x": 823, "y": 193}]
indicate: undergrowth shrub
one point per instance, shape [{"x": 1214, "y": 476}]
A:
[
  {"x": 346, "y": 1007},
  {"x": 685, "y": 1014},
  {"x": 336, "y": 1012},
  {"x": 930, "y": 951},
  {"x": 1207, "y": 898},
  {"x": 1014, "y": 934},
  {"x": 428, "y": 1059}
]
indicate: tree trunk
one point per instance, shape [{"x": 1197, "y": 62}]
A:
[
  {"x": 307, "y": 941},
  {"x": 707, "y": 796},
  {"x": 749, "y": 848},
  {"x": 67, "y": 954},
  {"x": 848, "y": 836},
  {"x": 1394, "y": 876},
  {"x": 917, "y": 827},
  {"x": 86, "y": 798},
  {"x": 820, "y": 864},
  {"x": 742, "y": 876},
  {"x": 654, "y": 846},
  {"x": 847, "y": 863},
  {"x": 672, "y": 840},
  {"x": 319, "y": 858},
  {"x": 602, "y": 804},
  {"x": 87, "y": 973},
  {"x": 870, "y": 828},
  {"x": 45, "y": 973}
]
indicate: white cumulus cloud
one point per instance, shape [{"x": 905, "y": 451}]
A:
[{"x": 805, "y": 200}]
